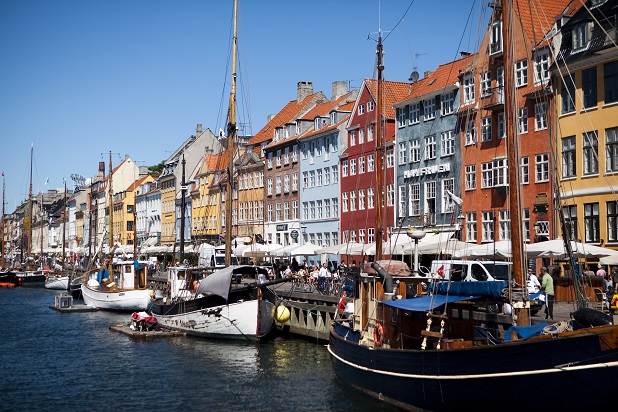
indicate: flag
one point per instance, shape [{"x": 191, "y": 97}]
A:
[
  {"x": 221, "y": 133},
  {"x": 342, "y": 302},
  {"x": 454, "y": 198},
  {"x": 441, "y": 271}
]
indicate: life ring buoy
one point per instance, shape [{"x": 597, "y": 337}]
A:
[{"x": 378, "y": 335}]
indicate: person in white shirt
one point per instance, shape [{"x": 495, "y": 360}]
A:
[
  {"x": 323, "y": 275},
  {"x": 534, "y": 286}
]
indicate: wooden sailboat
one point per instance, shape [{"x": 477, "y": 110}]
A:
[
  {"x": 118, "y": 286},
  {"x": 427, "y": 353},
  {"x": 215, "y": 307},
  {"x": 60, "y": 281}
]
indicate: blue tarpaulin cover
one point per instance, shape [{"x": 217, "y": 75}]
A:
[
  {"x": 426, "y": 303},
  {"x": 525, "y": 331}
]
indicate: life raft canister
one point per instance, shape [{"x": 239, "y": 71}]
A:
[{"x": 378, "y": 334}]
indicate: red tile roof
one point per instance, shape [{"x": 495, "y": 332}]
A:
[{"x": 393, "y": 92}]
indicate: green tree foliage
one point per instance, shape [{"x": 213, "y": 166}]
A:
[{"x": 157, "y": 169}]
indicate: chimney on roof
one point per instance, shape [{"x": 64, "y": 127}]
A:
[
  {"x": 126, "y": 157},
  {"x": 102, "y": 168},
  {"x": 270, "y": 117},
  {"x": 427, "y": 73},
  {"x": 303, "y": 90},
  {"x": 339, "y": 89},
  {"x": 143, "y": 171},
  {"x": 198, "y": 129}
]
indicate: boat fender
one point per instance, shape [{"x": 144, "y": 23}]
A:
[{"x": 378, "y": 335}]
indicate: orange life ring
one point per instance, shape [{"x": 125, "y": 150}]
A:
[{"x": 378, "y": 335}]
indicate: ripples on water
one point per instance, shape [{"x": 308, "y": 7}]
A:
[{"x": 72, "y": 361}]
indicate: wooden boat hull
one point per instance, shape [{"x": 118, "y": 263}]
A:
[
  {"x": 123, "y": 300},
  {"x": 250, "y": 319},
  {"x": 33, "y": 279},
  {"x": 440, "y": 380},
  {"x": 57, "y": 283}
]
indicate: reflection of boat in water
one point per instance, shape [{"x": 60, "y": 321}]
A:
[
  {"x": 218, "y": 306},
  {"x": 57, "y": 282}
]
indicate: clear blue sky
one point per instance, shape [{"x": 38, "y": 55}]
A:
[{"x": 79, "y": 79}]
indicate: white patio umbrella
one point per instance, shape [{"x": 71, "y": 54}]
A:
[
  {"x": 262, "y": 250},
  {"x": 555, "y": 249},
  {"x": 395, "y": 245},
  {"x": 307, "y": 249},
  {"x": 500, "y": 249},
  {"x": 286, "y": 250},
  {"x": 349, "y": 248}
]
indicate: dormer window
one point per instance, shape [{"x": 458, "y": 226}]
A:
[
  {"x": 361, "y": 108},
  {"x": 333, "y": 117},
  {"x": 580, "y": 36},
  {"x": 277, "y": 135},
  {"x": 370, "y": 106},
  {"x": 495, "y": 41}
]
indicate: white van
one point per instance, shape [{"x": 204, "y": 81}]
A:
[
  {"x": 213, "y": 257},
  {"x": 471, "y": 270}
]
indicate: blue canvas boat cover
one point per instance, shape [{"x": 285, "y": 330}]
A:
[
  {"x": 525, "y": 331},
  {"x": 425, "y": 303}
]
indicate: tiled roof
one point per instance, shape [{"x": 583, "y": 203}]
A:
[
  {"x": 537, "y": 17},
  {"x": 445, "y": 75},
  {"x": 393, "y": 92}
]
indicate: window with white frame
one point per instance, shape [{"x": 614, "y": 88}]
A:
[
  {"x": 370, "y": 163},
  {"x": 312, "y": 210},
  {"x": 505, "y": 225},
  {"x": 501, "y": 128},
  {"x": 305, "y": 180},
  {"x": 525, "y": 170},
  {"x": 448, "y": 205},
  {"x": 390, "y": 195},
  {"x": 352, "y": 167},
  {"x": 401, "y": 201},
  {"x": 269, "y": 188},
  {"x": 430, "y": 202},
  {"x": 468, "y": 83},
  {"x": 486, "y": 83},
  {"x": 335, "y": 174},
  {"x": 370, "y": 106},
  {"x": 361, "y": 136},
  {"x": 295, "y": 153},
  {"x": 401, "y": 117},
  {"x": 568, "y": 157},
  {"x": 286, "y": 211},
  {"x": 361, "y": 108},
  {"x": 286, "y": 156},
  {"x": 447, "y": 103},
  {"x": 580, "y": 37},
  {"x": 278, "y": 185},
  {"x": 488, "y": 226},
  {"x": 590, "y": 155},
  {"x": 414, "y": 200},
  {"x": 542, "y": 168},
  {"x": 319, "y": 208},
  {"x": 352, "y": 201},
  {"x": 522, "y": 120},
  {"x": 470, "y": 132},
  {"x": 327, "y": 210},
  {"x": 353, "y": 137},
  {"x": 295, "y": 182},
  {"x": 470, "y": 177},
  {"x": 487, "y": 175},
  {"x": 471, "y": 226},
  {"x": 370, "y": 198},
  {"x": 312, "y": 152},
  {"x": 486, "y": 129},
  {"x": 326, "y": 176},
  {"x": 540, "y": 116},
  {"x": 344, "y": 168},
  {"x": 403, "y": 153},
  {"x": 390, "y": 157},
  {"x": 270, "y": 160},
  {"x": 526, "y": 219},
  {"x": 286, "y": 183},
  {"x": 541, "y": 67},
  {"x": 430, "y": 147},
  {"x": 447, "y": 143},
  {"x": 319, "y": 179},
  {"x": 371, "y": 235},
  {"x": 521, "y": 73},
  {"x": 495, "y": 38},
  {"x": 429, "y": 109},
  {"x": 370, "y": 133},
  {"x": 361, "y": 235},
  {"x": 414, "y": 113},
  {"x": 278, "y": 158},
  {"x": 344, "y": 201},
  {"x": 415, "y": 150},
  {"x": 361, "y": 199},
  {"x": 611, "y": 149},
  {"x": 501, "y": 174},
  {"x": 335, "y": 202},
  {"x": 270, "y": 212},
  {"x": 361, "y": 165},
  {"x": 318, "y": 147}
]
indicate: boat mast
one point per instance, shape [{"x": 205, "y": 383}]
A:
[
  {"x": 111, "y": 213},
  {"x": 2, "y": 252},
  {"x": 30, "y": 207},
  {"x": 42, "y": 219},
  {"x": 379, "y": 152},
  {"x": 521, "y": 312},
  {"x": 231, "y": 136},
  {"x": 64, "y": 222},
  {"x": 183, "y": 185}
]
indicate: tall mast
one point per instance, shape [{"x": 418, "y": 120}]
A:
[
  {"x": 521, "y": 311},
  {"x": 183, "y": 185},
  {"x": 2, "y": 252},
  {"x": 64, "y": 222},
  {"x": 135, "y": 257},
  {"x": 42, "y": 220},
  {"x": 379, "y": 153},
  {"x": 231, "y": 136},
  {"x": 111, "y": 207},
  {"x": 29, "y": 223}
]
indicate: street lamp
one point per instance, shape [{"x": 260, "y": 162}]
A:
[
  {"x": 460, "y": 221},
  {"x": 416, "y": 235}
]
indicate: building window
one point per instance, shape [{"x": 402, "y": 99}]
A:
[
  {"x": 522, "y": 116},
  {"x": 269, "y": 187},
  {"x": 270, "y": 212},
  {"x": 352, "y": 167},
  {"x": 371, "y": 235},
  {"x": 353, "y": 138},
  {"x": 415, "y": 151},
  {"x": 447, "y": 103},
  {"x": 570, "y": 220},
  {"x": 414, "y": 207},
  {"x": 401, "y": 198},
  {"x": 403, "y": 153},
  {"x": 591, "y": 222},
  {"x": 487, "y": 175},
  {"x": 589, "y": 87},
  {"x": 526, "y": 224},
  {"x": 278, "y": 185},
  {"x": 501, "y": 175},
  {"x": 361, "y": 108},
  {"x": 430, "y": 203},
  {"x": 470, "y": 132},
  {"x": 488, "y": 226},
  {"x": 501, "y": 129},
  {"x": 521, "y": 73},
  {"x": 468, "y": 83},
  {"x": 448, "y": 206},
  {"x": 486, "y": 129},
  {"x": 580, "y": 37},
  {"x": 370, "y": 133},
  {"x": 344, "y": 201},
  {"x": 567, "y": 95},
  {"x": 390, "y": 157},
  {"x": 541, "y": 67},
  {"x": 361, "y": 199},
  {"x": 505, "y": 225},
  {"x": 361, "y": 136},
  {"x": 286, "y": 184},
  {"x": 470, "y": 177},
  {"x": 370, "y": 198},
  {"x": 429, "y": 109},
  {"x": 495, "y": 40},
  {"x": 471, "y": 226},
  {"x": 610, "y": 78},
  {"x": 352, "y": 201},
  {"x": 612, "y": 221},
  {"x": 540, "y": 116},
  {"x": 591, "y": 161},
  {"x": 430, "y": 147},
  {"x": 415, "y": 113},
  {"x": 568, "y": 157},
  {"x": 401, "y": 118},
  {"x": 485, "y": 84},
  {"x": 344, "y": 168},
  {"x": 335, "y": 174},
  {"x": 370, "y": 106},
  {"x": 611, "y": 150},
  {"x": 525, "y": 170},
  {"x": 278, "y": 212},
  {"x": 370, "y": 164},
  {"x": 361, "y": 165},
  {"x": 335, "y": 207},
  {"x": 542, "y": 168},
  {"x": 447, "y": 143}
]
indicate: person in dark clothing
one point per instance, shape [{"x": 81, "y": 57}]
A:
[{"x": 294, "y": 265}]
